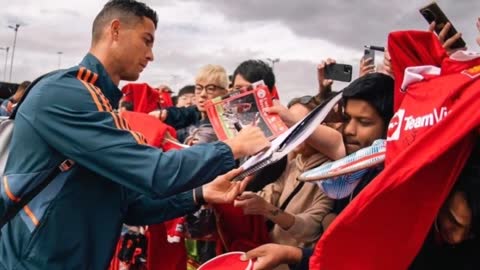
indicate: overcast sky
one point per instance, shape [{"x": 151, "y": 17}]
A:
[{"x": 193, "y": 33}]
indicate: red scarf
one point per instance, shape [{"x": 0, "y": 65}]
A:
[{"x": 385, "y": 226}]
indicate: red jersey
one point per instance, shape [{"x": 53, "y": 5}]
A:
[{"x": 429, "y": 140}]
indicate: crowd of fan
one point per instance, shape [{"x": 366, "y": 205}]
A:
[
  {"x": 281, "y": 219},
  {"x": 299, "y": 221}
]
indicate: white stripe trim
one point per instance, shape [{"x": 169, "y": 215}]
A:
[
  {"x": 414, "y": 74},
  {"x": 464, "y": 56}
]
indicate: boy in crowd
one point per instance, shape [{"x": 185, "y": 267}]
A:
[{"x": 186, "y": 96}]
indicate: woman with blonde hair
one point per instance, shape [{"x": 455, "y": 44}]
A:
[{"x": 211, "y": 81}]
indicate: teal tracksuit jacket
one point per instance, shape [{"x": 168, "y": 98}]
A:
[{"x": 75, "y": 222}]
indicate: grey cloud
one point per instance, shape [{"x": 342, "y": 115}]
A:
[
  {"x": 298, "y": 78},
  {"x": 11, "y": 19},
  {"x": 61, "y": 12},
  {"x": 347, "y": 23}
]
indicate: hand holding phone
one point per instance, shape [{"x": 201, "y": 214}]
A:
[
  {"x": 433, "y": 14},
  {"x": 367, "y": 63},
  {"x": 324, "y": 85},
  {"x": 338, "y": 72},
  {"x": 369, "y": 54}
]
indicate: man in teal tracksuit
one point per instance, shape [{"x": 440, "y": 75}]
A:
[{"x": 74, "y": 223}]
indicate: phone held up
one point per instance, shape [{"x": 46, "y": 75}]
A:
[
  {"x": 369, "y": 53},
  {"x": 338, "y": 72},
  {"x": 433, "y": 13}
]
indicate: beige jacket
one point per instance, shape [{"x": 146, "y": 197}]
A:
[{"x": 309, "y": 205}]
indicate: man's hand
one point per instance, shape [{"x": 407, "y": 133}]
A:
[
  {"x": 252, "y": 204},
  {"x": 324, "y": 85},
  {"x": 223, "y": 189},
  {"x": 387, "y": 64},
  {"x": 270, "y": 256},
  {"x": 447, "y": 43},
  {"x": 366, "y": 66},
  {"x": 249, "y": 141}
]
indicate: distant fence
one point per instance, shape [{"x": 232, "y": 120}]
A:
[{"x": 7, "y": 89}]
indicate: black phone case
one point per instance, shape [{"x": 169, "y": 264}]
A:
[
  {"x": 338, "y": 72},
  {"x": 432, "y": 12}
]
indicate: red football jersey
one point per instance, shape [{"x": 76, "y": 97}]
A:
[{"x": 429, "y": 140}]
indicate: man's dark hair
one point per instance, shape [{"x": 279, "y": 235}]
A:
[
  {"x": 187, "y": 89},
  {"x": 377, "y": 90},
  {"x": 256, "y": 70},
  {"x": 469, "y": 183},
  {"x": 230, "y": 81},
  {"x": 127, "y": 11},
  {"x": 175, "y": 100}
]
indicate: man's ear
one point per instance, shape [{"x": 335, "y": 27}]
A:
[{"x": 114, "y": 29}]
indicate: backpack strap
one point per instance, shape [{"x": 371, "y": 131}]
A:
[{"x": 13, "y": 210}]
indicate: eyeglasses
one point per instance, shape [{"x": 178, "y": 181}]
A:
[{"x": 209, "y": 88}]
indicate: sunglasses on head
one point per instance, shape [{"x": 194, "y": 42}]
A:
[{"x": 305, "y": 100}]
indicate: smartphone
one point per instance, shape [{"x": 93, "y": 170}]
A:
[
  {"x": 432, "y": 12},
  {"x": 338, "y": 72},
  {"x": 369, "y": 53}
]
